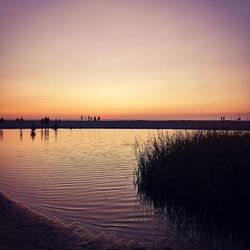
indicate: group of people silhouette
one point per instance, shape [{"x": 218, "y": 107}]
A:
[
  {"x": 20, "y": 120},
  {"x": 223, "y": 118},
  {"x": 45, "y": 121},
  {"x": 92, "y": 118}
]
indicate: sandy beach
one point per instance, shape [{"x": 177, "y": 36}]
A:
[
  {"x": 23, "y": 229},
  {"x": 132, "y": 124}
]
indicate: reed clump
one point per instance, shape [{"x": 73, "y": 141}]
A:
[{"x": 206, "y": 171}]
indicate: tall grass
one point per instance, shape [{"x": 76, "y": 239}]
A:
[{"x": 202, "y": 172}]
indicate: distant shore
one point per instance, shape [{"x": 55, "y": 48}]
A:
[{"x": 132, "y": 124}]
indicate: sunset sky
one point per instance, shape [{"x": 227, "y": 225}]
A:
[{"x": 125, "y": 59}]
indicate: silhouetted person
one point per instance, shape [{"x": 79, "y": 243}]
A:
[
  {"x": 81, "y": 117},
  {"x": 98, "y": 118},
  {"x": 1, "y": 121},
  {"x": 94, "y": 118},
  {"x": 42, "y": 122},
  {"x": 33, "y": 127},
  {"x": 46, "y": 121},
  {"x": 55, "y": 127}
]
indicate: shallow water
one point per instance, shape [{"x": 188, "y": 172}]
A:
[{"x": 84, "y": 176}]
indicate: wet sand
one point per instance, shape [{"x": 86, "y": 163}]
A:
[
  {"x": 133, "y": 124},
  {"x": 23, "y": 229}
]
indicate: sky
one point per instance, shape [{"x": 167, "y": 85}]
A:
[{"x": 125, "y": 59}]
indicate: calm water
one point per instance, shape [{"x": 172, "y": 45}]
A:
[
  {"x": 84, "y": 176},
  {"x": 87, "y": 177}
]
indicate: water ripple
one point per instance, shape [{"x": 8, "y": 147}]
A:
[{"x": 79, "y": 175}]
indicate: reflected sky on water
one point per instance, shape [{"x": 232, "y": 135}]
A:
[{"x": 86, "y": 176}]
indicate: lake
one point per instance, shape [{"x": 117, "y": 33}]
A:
[{"x": 86, "y": 177}]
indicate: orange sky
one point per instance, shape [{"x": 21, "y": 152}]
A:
[{"x": 125, "y": 59}]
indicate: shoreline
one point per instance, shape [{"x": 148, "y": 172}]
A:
[
  {"x": 25, "y": 229},
  {"x": 22, "y": 228},
  {"x": 132, "y": 124}
]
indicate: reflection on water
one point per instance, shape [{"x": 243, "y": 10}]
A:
[
  {"x": 197, "y": 230},
  {"x": 87, "y": 177},
  {"x": 199, "y": 227},
  {"x": 83, "y": 176},
  {"x": 55, "y": 133},
  {"x": 1, "y": 134},
  {"x": 32, "y": 134},
  {"x": 45, "y": 134},
  {"x": 21, "y": 134}
]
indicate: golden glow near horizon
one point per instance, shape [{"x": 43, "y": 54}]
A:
[{"x": 125, "y": 59}]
